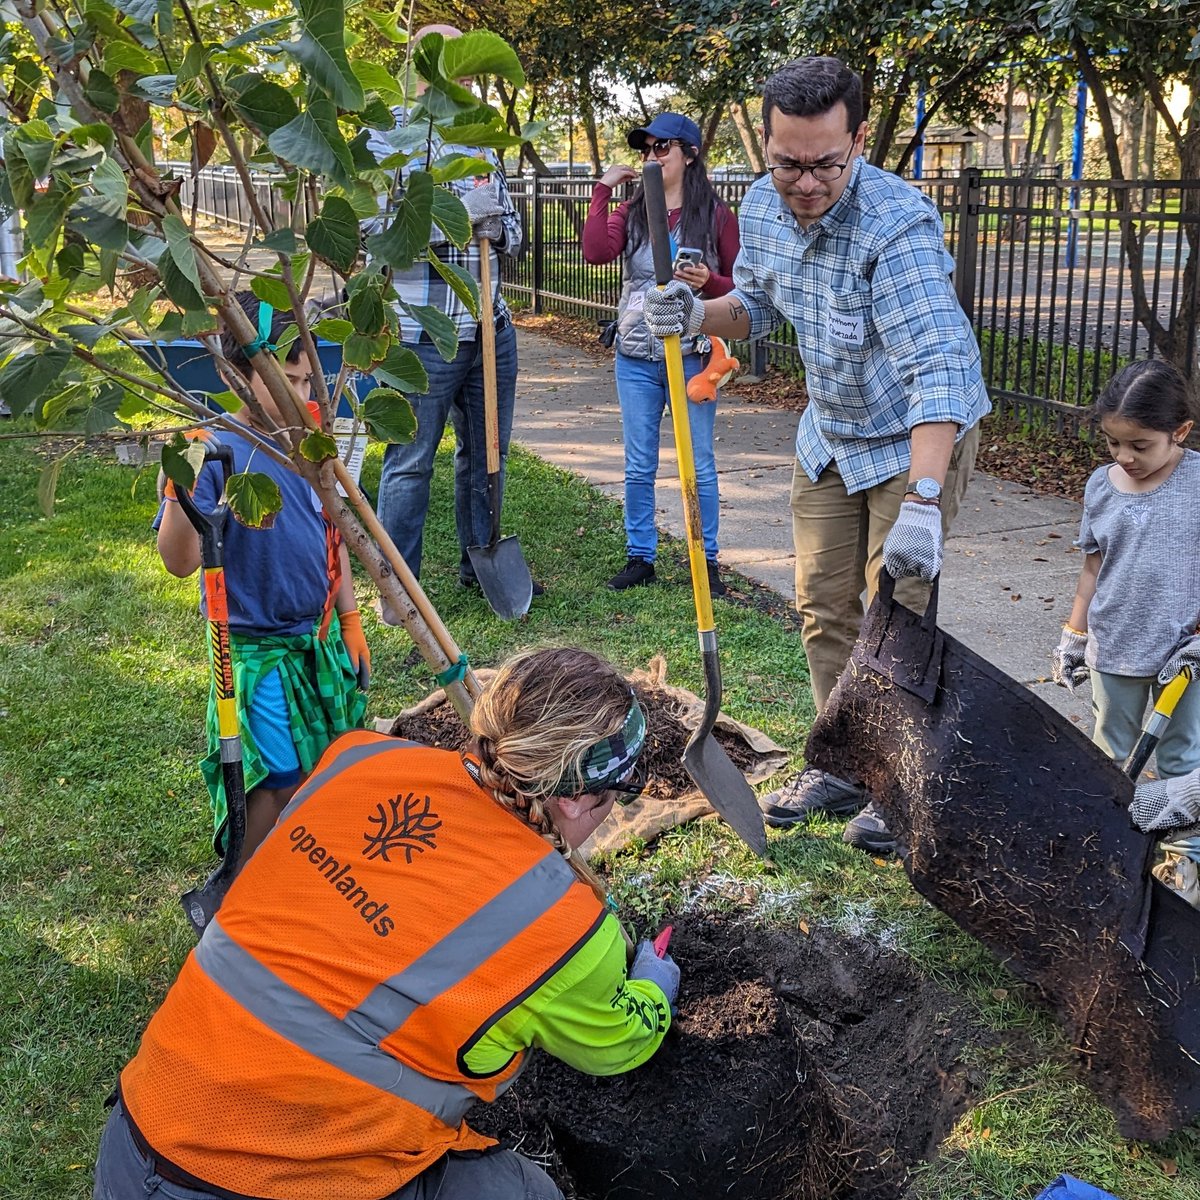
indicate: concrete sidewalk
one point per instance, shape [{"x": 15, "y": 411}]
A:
[{"x": 1010, "y": 569}]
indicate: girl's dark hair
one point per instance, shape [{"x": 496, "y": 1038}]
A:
[
  {"x": 698, "y": 215},
  {"x": 1151, "y": 393},
  {"x": 232, "y": 348},
  {"x": 810, "y": 87}
]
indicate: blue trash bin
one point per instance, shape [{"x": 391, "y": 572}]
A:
[{"x": 1067, "y": 1187}]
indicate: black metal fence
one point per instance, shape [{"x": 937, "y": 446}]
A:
[{"x": 1041, "y": 268}]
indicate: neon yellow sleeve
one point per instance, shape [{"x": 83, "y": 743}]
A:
[{"x": 587, "y": 1013}]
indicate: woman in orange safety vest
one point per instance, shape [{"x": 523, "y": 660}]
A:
[{"x": 415, "y": 923}]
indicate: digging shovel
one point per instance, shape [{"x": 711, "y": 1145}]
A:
[
  {"x": 1156, "y": 724},
  {"x": 499, "y": 566},
  {"x": 703, "y": 757},
  {"x": 201, "y": 904}
]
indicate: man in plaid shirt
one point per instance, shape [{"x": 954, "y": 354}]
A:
[
  {"x": 855, "y": 259},
  {"x": 455, "y": 387}
]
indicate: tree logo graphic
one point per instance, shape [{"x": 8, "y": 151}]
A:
[{"x": 405, "y": 823}]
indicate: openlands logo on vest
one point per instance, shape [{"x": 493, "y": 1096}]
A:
[{"x": 337, "y": 874}]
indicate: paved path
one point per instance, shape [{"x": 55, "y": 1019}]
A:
[{"x": 1010, "y": 569}]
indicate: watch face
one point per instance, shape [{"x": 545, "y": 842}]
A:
[{"x": 927, "y": 489}]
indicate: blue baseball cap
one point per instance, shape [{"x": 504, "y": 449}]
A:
[{"x": 666, "y": 125}]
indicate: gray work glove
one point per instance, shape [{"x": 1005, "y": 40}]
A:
[
  {"x": 662, "y": 971},
  {"x": 1067, "y": 665},
  {"x": 673, "y": 311},
  {"x": 914, "y": 545},
  {"x": 1186, "y": 654},
  {"x": 1165, "y": 804},
  {"x": 485, "y": 209}
]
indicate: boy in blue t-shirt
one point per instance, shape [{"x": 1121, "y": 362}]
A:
[{"x": 295, "y": 631}]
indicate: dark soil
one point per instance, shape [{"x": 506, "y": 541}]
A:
[
  {"x": 663, "y": 757},
  {"x": 798, "y": 1067}
]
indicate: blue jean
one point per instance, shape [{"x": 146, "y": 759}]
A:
[
  {"x": 642, "y": 392},
  {"x": 455, "y": 393}
]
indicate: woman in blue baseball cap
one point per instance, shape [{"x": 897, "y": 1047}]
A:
[{"x": 704, "y": 240}]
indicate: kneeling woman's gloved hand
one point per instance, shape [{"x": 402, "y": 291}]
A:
[
  {"x": 1165, "y": 804},
  {"x": 662, "y": 971}
]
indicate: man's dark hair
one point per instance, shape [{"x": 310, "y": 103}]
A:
[
  {"x": 809, "y": 87},
  {"x": 232, "y": 348},
  {"x": 1151, "y": 393}
]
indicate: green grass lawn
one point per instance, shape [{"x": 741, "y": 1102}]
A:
[{"x": 103, "y": 818}]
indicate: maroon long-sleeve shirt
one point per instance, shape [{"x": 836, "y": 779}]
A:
[{"x": 604, "y": 238}]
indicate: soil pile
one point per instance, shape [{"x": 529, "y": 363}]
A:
[{"x": 798, "y": 1067}]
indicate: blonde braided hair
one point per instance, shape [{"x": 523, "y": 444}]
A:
[{"x": 533, "y": 725}]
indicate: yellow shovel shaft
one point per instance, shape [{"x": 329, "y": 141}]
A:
[
  {"x": 677, "y": 390},
  {"x": 1169, "y": 697}
]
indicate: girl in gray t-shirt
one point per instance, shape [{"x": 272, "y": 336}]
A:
[{"x": 1136, "y": 617}]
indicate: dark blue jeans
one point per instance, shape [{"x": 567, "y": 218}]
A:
[{"x": 455, "y": 393}]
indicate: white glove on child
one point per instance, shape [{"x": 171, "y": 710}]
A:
[
  {"x": 485, "y": 210},
  {"x": 1186, "y": 654},
  {"x": 673, "y": 311},
  {"x": 1165, "y": 804},
  {"x": 661, "y": 971},
  {"x": 1067, "y": 665},
  {"x": 914, "y": 545}
]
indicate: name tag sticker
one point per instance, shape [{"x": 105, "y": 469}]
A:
[
  {"x": 845, "y": 329},
  {"x": 636, "y": 302}
]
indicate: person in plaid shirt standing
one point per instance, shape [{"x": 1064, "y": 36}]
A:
[
  {"x": 855, "y": 259},
  {"x": 455, "y": 387}
]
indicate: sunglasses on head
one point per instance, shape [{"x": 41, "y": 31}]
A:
[
  {"x": 632, "y": 786},
  {"x": 660, "y": 148}
]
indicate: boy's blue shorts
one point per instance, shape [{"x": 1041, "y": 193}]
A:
[{"x": 271, "y": 728}]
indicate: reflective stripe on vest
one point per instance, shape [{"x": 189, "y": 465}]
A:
[{"x": 336, "y": 762}]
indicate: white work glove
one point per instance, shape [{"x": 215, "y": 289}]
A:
[
  {"x": 1067, "y": 665},
  {"x": 673, "y": 311},
  {"x": 914, "y": 545},
  {"x": 661, "y": 971},
  {"x": 1165, "y": 804},
  {"x": 485, "y": 209},
  {"x": 1186, "y": 654}
]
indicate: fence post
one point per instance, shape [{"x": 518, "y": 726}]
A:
[
  {"x": 966, "y": 250},
  {"x": 539, "y": 246}
]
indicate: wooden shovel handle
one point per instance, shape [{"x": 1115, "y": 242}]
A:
[{"x": 487, "y": 333}]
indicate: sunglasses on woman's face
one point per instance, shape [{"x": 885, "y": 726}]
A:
[
  {"x": 660, "y": 148},
  {"x": 632, "y": 786}
]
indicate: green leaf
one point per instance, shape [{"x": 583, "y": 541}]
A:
[
  {"x": 36, "y": 140},
  {"x": 101, "y": 412},
  {"x": 282, "y": 241},
  {"x": 321, "y": 49},
  {"x": 266, "y": 105},
  {"x": 458, "y": 281},
  {"x": 388, "y": 24},
  {"x": 125, "y": 56},
  {"x": 317, "y": 446},
  {"x": 45, "y": 217},
  {"x": 48, "y": 484},
  {"x": 272, "y": 292},
  {"x": 264, "y": 31},
  {"x": 101, "y": 91},
  {"x": 441, "y": 329},
  {"x": 26, "y": 379},
  {"x": 481, "y": 52},
  {"x": 65, "y": 48},
  {"x": 377, "y": 78},
  {"x": 181, "y": 250},
  {"x": 333, "y": 236},
  {"x": 254, "y": 499},
  {"x": 102, "y": 135},
  {"x": 402, "y": 369},
  {"x": 408, "y": 234},
  {"x": 20, "y": 178},
  {"x": 231, "y": 402},
  {"x": 179, "y": 461},
  {"x": 100, "y": 218},
  {"x": 158, "y": 89},
  {"x": 366, "y": 311},
  {"x": 87, "y": 335},
  {"x": 388, "y": 416},
  {"x": 488, "y": 136},
  {"x": 451, "y": 217},
  {"x": 363, "y": 351},
  {"x": 194, "y": 59},
  {"x": 377, "y": 115},
  {"x": 179, "y": 289},
  {"x": 314, "y": 142},
  {"x": 333, "y": 329},
  {"x": 459, "y": 166}
]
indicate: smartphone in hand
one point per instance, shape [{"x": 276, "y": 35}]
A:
[{"x": 686, "y": 256}]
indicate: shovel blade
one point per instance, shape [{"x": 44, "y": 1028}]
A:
[
  {"x": 504, "y": 577},
  {"x": 726, "y": 789},
  {"x": 200, "y": 904}
]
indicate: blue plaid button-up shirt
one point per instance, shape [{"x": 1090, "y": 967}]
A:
[
  {"x": 884, "y": 341},
  {"x": 421, "y": 284}
]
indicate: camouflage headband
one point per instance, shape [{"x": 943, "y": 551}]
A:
[{"x": 610, "y": 760}]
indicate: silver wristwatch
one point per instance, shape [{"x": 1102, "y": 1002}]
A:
[{"x": 928, "y": 489}]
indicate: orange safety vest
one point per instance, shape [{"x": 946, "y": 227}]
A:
[{"x": 313, "y": 1044}]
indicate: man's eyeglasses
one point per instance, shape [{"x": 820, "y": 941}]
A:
[
  {"x": 822, "y": 172},
  {"x": 632, "y": 786},
  {"x": 660, "y": 148}
]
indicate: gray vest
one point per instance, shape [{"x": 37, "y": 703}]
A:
[{"x": 633, "y": 338}]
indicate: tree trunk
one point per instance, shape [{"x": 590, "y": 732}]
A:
[
  {"x": 750, "y": 143},
  {"x": 885, "y": 132},
  {"x": 1006, "y": 141},
  {"x": 710, "y": 125},
  {"x": 587, "y": 116}
]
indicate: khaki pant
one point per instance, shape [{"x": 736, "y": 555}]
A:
[{"x": 839, "y": 552}]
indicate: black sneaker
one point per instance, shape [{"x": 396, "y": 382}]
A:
[
  {"x": 715, "y": 586},
  {"x": 636, "y": 573},
  {"x": 812, "y": 791},
  {"x": 868, "y": 832}
]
